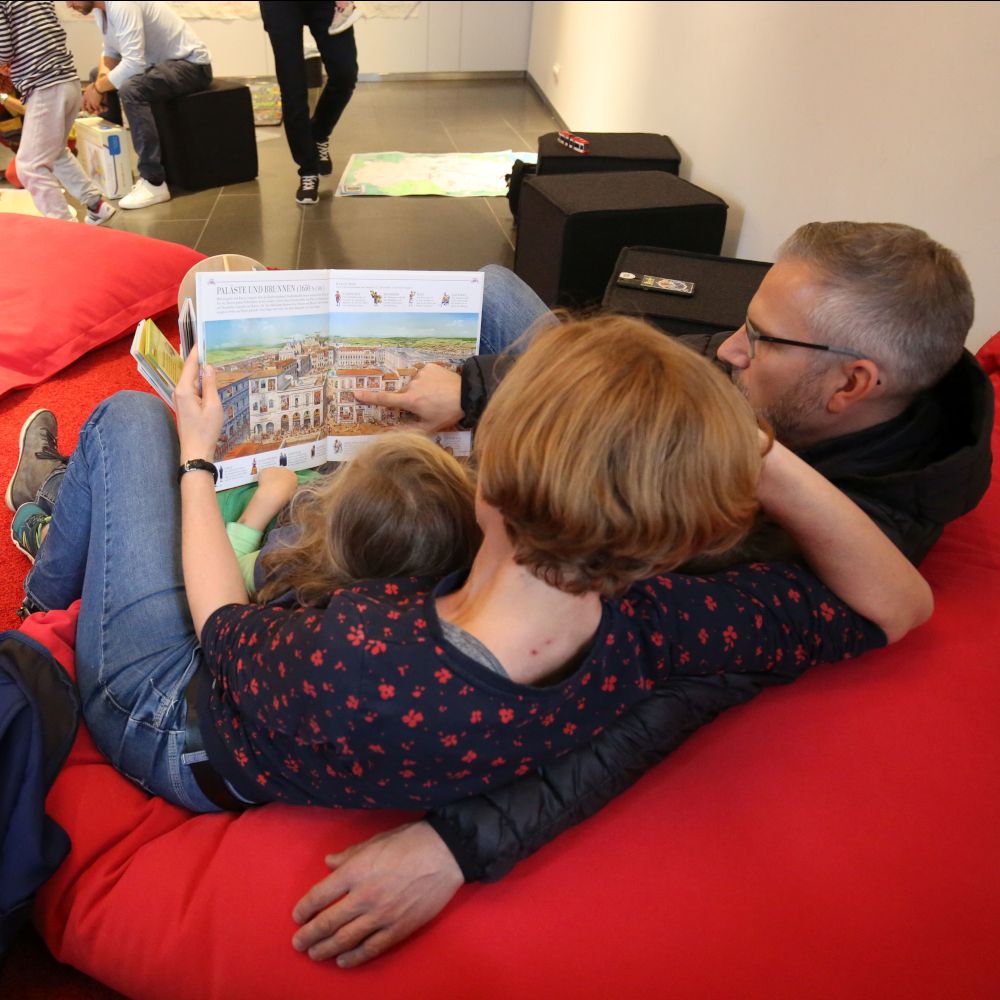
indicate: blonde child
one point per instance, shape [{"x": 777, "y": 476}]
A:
[{"x": 402, "y": 507}]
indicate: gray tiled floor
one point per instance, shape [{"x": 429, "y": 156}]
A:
[{"x": 261, "y": 219}]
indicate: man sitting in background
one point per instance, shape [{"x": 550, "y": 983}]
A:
[
  {"x": 149, "y": 55},
  {"x": 853, "y": 349}
]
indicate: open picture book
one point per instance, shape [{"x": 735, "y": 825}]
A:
[{"x": 290, "y": 348}]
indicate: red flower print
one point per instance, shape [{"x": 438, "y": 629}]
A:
[
  {"x": 585, "y": 679},
  {"x": 450, "y": 740},
  {"x": 569, "y": 728},
  {"x": 407, "y": 773},
  {"x": 657, "y": 638},
  {"x": 292, "y": 764},
  {"x": 610, "y": 640},
  {"x": 418, "y": 691},
  {"x": 352, "y": 702},
  {"x": 476, "y": 716},
  {"x": 703, "y": 636},
  {"x": 710, "y": 602},
  {"x": 800, "y": 654},
  {"x": 376, "y": 748},
  {"x": 827, "y": 612},
  {"x": 469, "y": 757},
  {"x": 730, "y": 636},
  {"x": 392, "y": 588},
  {"x": 317, "y": 659},
  {"x": 522, "y": 770},
  {"x": 685, "y": 657},
  {"x": 393, "y": 615},
  {"x": 375, "y": 647},
  {"x": 413, "y": 718},
  {"x": 386, "y": 691},
  {"x": 254, "y": 686},
  {"x": 241, "y": 758},
  {"x": 355, "y": 635},
  {"x": 420, "y": 623},
  {"x": 548, "y": 719},
  {"x": 308, "y": 689},
  {"x": 506, "y": 714},
  {"x": 609, "y": 683},
  {"x": 794, "y": 595},
  {"x": 497, "y": 762},
  {"x": 443, "y": 675}
]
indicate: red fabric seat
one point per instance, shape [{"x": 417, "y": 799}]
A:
[{"x": 836, "y": 839}]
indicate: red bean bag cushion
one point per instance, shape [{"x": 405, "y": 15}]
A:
[
  {"x": 835, "y": 840},
  {"x": 98, "y": 284}
]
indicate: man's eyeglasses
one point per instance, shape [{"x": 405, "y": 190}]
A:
[{"x": 753, "y": 336}]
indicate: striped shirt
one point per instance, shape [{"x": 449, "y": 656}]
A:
[{"x": 33, "y": 44}]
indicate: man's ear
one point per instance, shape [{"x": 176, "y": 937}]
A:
[{"x": 860, "y": 379}]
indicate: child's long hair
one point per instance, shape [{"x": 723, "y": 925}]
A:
[{"x": 402, "y": 507}]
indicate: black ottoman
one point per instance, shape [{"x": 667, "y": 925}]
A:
[
  {"x": 608, "y": 151},
  {"x": 723, "y": 289},
  {"x": 573, "y": 226},
  {"x": 207, "y": 138}
]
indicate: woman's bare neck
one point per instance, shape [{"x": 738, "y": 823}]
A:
[{"x": 536, "y": 631}]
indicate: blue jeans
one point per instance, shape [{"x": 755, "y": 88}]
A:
[
  {"x": 510, "y": 308},
  {"x": 114, "y": 542}
]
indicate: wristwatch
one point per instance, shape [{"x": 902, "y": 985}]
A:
[{"x": 198, "y": 465}]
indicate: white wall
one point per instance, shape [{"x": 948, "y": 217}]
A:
[
  {"x": 800, "y": 111},
  {"x": 443, "y": 37}
]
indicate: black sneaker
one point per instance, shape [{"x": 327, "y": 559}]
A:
[
  {"x": 308, "y": 192},
  {"x": 39, "y": 458},
  {"x": 323, "y": 156}
]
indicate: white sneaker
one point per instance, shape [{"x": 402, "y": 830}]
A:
[
  {"x": 344, "y": 16},
  {"x": 145, "y": 194},
  {"x": 98, "y": 216}
]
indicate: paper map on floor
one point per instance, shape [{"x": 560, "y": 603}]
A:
[{"x": 457, "y": 175}]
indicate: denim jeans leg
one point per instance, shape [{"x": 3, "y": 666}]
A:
[
  {"x": 172, "y": 78},
  {"x": 510, "y": 308},
  {"x": 114, "y": 541}
]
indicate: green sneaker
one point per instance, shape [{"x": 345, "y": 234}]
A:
[
  {"x": 27, "y": 530},
  {"x": 38, "y": 458}
]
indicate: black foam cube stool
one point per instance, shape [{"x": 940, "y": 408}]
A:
[
  {"x": 723, "y": 288},
  {"x": 207, "y": 138},
  {"x": 573, "y": 226},
  {"x": 608, "y": 151}
]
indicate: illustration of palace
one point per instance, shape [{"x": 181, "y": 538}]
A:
[{"x": 305, "y": 389}]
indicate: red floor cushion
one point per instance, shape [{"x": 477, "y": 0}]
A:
[
  {"x": 98, "y": 284},
  {"x": 835, "y": 840}
]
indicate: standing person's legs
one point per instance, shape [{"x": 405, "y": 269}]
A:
[
  {"x": 159, "y": 83},
  {"x": 340, "y": 59},
  {"x": 510, "y": 308},
  {"x": 114, "y": 541},
  {"x": 283, "y": 22},
  {"x": 43, "y": 142}
]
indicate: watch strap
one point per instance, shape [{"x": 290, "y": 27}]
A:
[{"x": 198, "y": 465}]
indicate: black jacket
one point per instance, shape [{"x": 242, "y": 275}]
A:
[{"x": 912, "y": 475}]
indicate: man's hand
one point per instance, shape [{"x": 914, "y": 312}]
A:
[
  {"x": 434, "y": 397},
  {"x": 93, "y": 100},
  {"x": 381, "y": 891}
]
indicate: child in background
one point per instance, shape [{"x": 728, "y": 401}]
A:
[{"x": 402, "y": 507}]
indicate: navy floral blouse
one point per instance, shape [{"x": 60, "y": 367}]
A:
[{"x": 364, "y": 704}]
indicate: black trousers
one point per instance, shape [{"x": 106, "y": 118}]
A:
[{"x": 284, "y": 22}]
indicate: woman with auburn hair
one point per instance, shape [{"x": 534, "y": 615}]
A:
[{"x": 608, "y": 456}]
